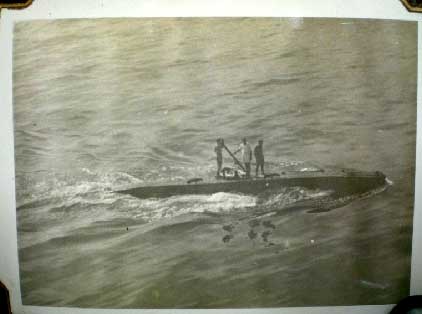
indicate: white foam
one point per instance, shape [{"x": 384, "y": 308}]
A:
[
  {"x": 318, "y": 194},
  {"x": 291, "y": 195},
  {"x": 153, "y": 209},
  {"x": 309, "y": 169}
]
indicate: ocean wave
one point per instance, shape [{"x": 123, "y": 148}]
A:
[
  {"x": 52, "y": 186},
  {"x": 276, "y": 82},
  {"x": 154, "y": 209},
  {"x": 59, "y": 207},
  {"x": 290, "y": 195},
  {"x": 328, "y": 203}
]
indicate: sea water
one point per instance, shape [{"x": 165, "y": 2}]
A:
[{"x": 102, "y": 104}]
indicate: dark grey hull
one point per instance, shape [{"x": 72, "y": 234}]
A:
[{"x": 341, "y": 182}]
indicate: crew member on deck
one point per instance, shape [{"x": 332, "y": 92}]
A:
[
  {"x": 219, "y": 152},
  {"x": 259, "y": 157},
  {"x": 246, "y": 150}
]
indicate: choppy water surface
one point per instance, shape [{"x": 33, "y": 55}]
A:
[{"x": 100, "y": 104}]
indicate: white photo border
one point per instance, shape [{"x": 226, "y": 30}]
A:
[{"x": 55, "y": 9}]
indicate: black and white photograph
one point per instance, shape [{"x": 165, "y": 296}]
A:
[{"x": 165, "y": 163}]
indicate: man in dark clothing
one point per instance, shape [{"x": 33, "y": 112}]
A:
[
  {"x": 259, "y": 157},
  {"x": 219, "y": 152}
]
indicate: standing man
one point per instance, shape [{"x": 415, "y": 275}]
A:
[
  {"x": 259, "y": 157},
  {"x": 246, "y": 150},
  {"x": 219, "y": 152}
]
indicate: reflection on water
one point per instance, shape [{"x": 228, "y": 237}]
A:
[{"x": 104, "y": 103}]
